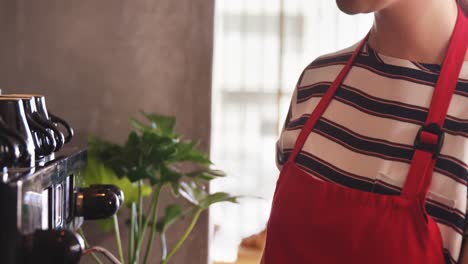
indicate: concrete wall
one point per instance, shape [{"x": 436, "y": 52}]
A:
[{"x": 100, "y": 61}]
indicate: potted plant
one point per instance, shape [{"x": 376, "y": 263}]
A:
[{"x": 153, "y": 158}]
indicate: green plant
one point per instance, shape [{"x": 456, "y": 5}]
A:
[{"x": 154, "y": 157}]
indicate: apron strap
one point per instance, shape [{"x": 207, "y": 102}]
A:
[
  {"x": 430, "y": 137},
  {"x": 324, "y": 102}
]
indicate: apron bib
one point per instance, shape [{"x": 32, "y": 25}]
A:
[{"x": 315, "y": 221}]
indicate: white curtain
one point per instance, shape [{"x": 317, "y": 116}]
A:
[{"x": 261, "y": 47}]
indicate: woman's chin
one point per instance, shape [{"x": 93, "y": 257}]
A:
[{"x": 350, "y": 7}]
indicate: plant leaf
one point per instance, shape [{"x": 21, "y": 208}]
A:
[
  {"x": 217, "y": 198},
  {"x": 169, "y": 175},
  {"x": 156, "y": 148},
  {"x": 138, "y": 173},
  {"x": 191, "y": 192},
  {"x": 102, "y": 148},
  {"x": 139, "y": 125},
  {"x": 187, "y": 151},
  {"x": 162, "y": 124},
  {"x": 133, "y": 140},
  {"x": 175, "y": 186},
  {"x": 172, "y": 213},
  {"x": 206, "y": 174},
  {"x": 97, "y": 173}
]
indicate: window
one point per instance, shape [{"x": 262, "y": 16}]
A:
[{"x": 261, "y": 47}]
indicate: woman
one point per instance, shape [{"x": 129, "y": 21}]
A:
[{"x": 374, "y": 151}]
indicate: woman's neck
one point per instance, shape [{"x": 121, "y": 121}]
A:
[{"x": 417, "y": 30}]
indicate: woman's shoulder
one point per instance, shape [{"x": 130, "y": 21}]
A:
[
  {"x": 325, "y": 66},
  {"x": 339, "y": 56}
]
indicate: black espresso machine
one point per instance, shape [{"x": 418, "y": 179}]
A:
[{"x": 41, "y": 203}]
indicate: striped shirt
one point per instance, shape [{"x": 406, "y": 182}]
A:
[{"x": 364, "y": 140}]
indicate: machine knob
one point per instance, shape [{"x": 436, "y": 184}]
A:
[
  {"x": 54, "y": 247},
  {"x": 96, "y": 203},
  {"x": 110, "y": 187}
]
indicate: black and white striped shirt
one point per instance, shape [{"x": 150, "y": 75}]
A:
[{"x": 365, "y": 138}]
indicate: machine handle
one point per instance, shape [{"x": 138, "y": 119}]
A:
[
  {"x": 95, "y": 203},
  {"x": 53, "y": 247},
  {"x": 59, "y": 137},
  {"x": 64, "y": 123}
]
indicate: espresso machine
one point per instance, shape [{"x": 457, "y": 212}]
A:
[{"x": 42, "y": 198}]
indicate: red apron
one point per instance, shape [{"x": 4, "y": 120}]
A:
[{"x": 315, "y": 221}]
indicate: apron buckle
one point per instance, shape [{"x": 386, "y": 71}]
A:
[{"x": 430, "y": 138}]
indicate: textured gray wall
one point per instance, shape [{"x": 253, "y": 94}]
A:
[{"x": 100, "y": 61}]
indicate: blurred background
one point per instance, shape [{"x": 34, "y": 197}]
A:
[{"x": 260, "y": 49}]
